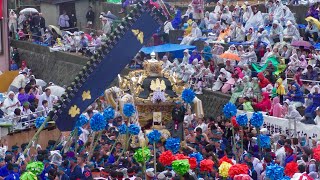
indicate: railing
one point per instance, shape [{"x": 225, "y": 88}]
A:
[{"x": 21, "y": 122}]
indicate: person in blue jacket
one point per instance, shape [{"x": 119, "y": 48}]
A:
[
  {"x": 315, "y": 95},
  {"x": 296, "y": 96},
  {"x": 13, "y": 172}
]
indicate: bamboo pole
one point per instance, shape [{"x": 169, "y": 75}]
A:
[
  {"x": 57, "y": 142},
  {"x": 259, "y": 143},
  {"x": 124, "y": 149},
  {"x": 154, "y": 158},
  {"x": 95, "y": 143},
  {"x": 91, "y": 145},
  {"x": 234, "y": 144}
]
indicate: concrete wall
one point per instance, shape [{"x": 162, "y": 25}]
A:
[
  {"x": 81, "y": 11},
  {"x": 57, "y": 67},
  {"x": 4, "y": 57},
  {"x": 50, "y": 13}
]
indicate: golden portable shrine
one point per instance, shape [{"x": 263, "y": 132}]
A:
[{"x": 154, "y": 92}]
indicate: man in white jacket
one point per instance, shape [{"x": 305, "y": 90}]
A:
[{"x": 18, "y": 82}]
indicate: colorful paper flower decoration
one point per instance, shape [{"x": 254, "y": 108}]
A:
[
  {"x": 142, "y": 155},
  {"x": 181, "y": 166},
  {"x": 154, "y": 136},
  {"x": 316, "y": 153},
  {"x": 206, "y": 165},
  {"x": 35, "y": 167},
  {"x": 97, "y": 122},
  {"x": 188, "y": 95},
  {"x": 129, "y": 109},
  {"x": 224, "y": 169},
  {"x": 173, "y": 144},
  {"x": 257, "y": 119},
  {"x": 242, "y": 120},
  {"x": 265, "y": 141},
  {"x": 122, "y": 129},
  {"x": 225, "y": 159},
  {"x": 229, "y": 110},
  {"x": 193, "y": 162},
  {"x": 238, "y": 169},
  {"x": 28, "y": 176},
  {"x": 291, "y": 168},
  {"x": 40, "y": 121},
  {"x": 197, "y": 155},
  {"x": 134, "y": 129},
  {"x": 108, "y": 113},
  {"x": 274, "y": 172},
  {"x": 82, "y": 120},
  {"x": 166, "y": 158}
]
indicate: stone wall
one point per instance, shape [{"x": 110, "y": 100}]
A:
[
  {"x": 213, "y": 102},
  {"x": 57, "y": 67}
]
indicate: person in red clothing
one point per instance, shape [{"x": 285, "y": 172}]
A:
[
  {"x": 264, "y": 105},
  {"x": 263, "y": 82}
]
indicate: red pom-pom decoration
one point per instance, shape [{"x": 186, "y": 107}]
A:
[
  {"x": 316, "y": 153},
  {"x": 206, "y": 165},
  {"x": 180, "y": 157},
  {"x": 234, "y": 122},
  {"x": 238, "y": 169},
  {"x": 291, "y": 169},
  {"x": 225, "y": 159},
  {"x": 166, "y": 158},
  {"x": 193, "y": 163}
]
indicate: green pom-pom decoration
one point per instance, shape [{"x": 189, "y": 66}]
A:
[
  {"x": 28, "y": 176},
  {"x": 181, "y": 166},
  {"x": 35, "y": 168},
  {"x": 142, "y": 155}
]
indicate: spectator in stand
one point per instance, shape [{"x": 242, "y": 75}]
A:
[
  {"x": 10, "y": 103},
  {"x": 22, "y": 96},
  {"x": 21, "y": 20},
  {"x": 264, "y": 105},
  {"x": 90, "y": 18},
  {"x": 64, "y": 21},
  {"x": 51, "y": 99},
  {"x": 42, "y": 24},
  {"x": 263, "y": 82},
  {"x": 166, "y": 29},
  {"x": 311, "y": 74},
  {"x": 207, "y": 55},
  {"x": 18, "y": 82},
  {"x": 106, "y": 25},
  {"x": 43, "y": 110},
  {"x": 73, "y": 23},
  {"x": 35, "y": 26},
  {"x": 12, "y": 23}
]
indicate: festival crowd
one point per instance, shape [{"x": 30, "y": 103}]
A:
[{"x": 263, "y": 71}]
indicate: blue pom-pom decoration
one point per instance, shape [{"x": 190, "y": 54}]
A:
[
  {"x": 39, "y": 122},
  {"x": 97, "y": 122},
  {"x": 154, "y": 136},
  {"x": 257, "y": 119},
  {"x": 134, "y": 129},
  {"x": 82, "y": 120},
  {"x": 265, "y": 141},
  {"x": 285, "y": 178},
  {"x": 122, "y": 129},
  {"x": 128, "y": 109},
  {"x": 173, "y": 144},
  {"x": 108, "y": 113},
  {"x": 197, "y": 155},
  {"x": 188, "y": 95},
  {"x": 242, "y": 119},
  {"x": 274, "y": 172},
  {"x": 229, "y": 110}
]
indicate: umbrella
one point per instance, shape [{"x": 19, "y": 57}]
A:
[
  {"x": 56, "y": 29},
  {"x": 230, "y": 56},
  {"x": 299, "y": 43},
  {"x": 313, "y": 21},
  {"x": 29, "y": 10}
]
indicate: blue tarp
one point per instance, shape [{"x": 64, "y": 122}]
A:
[{"x": 175, "y": 49}]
